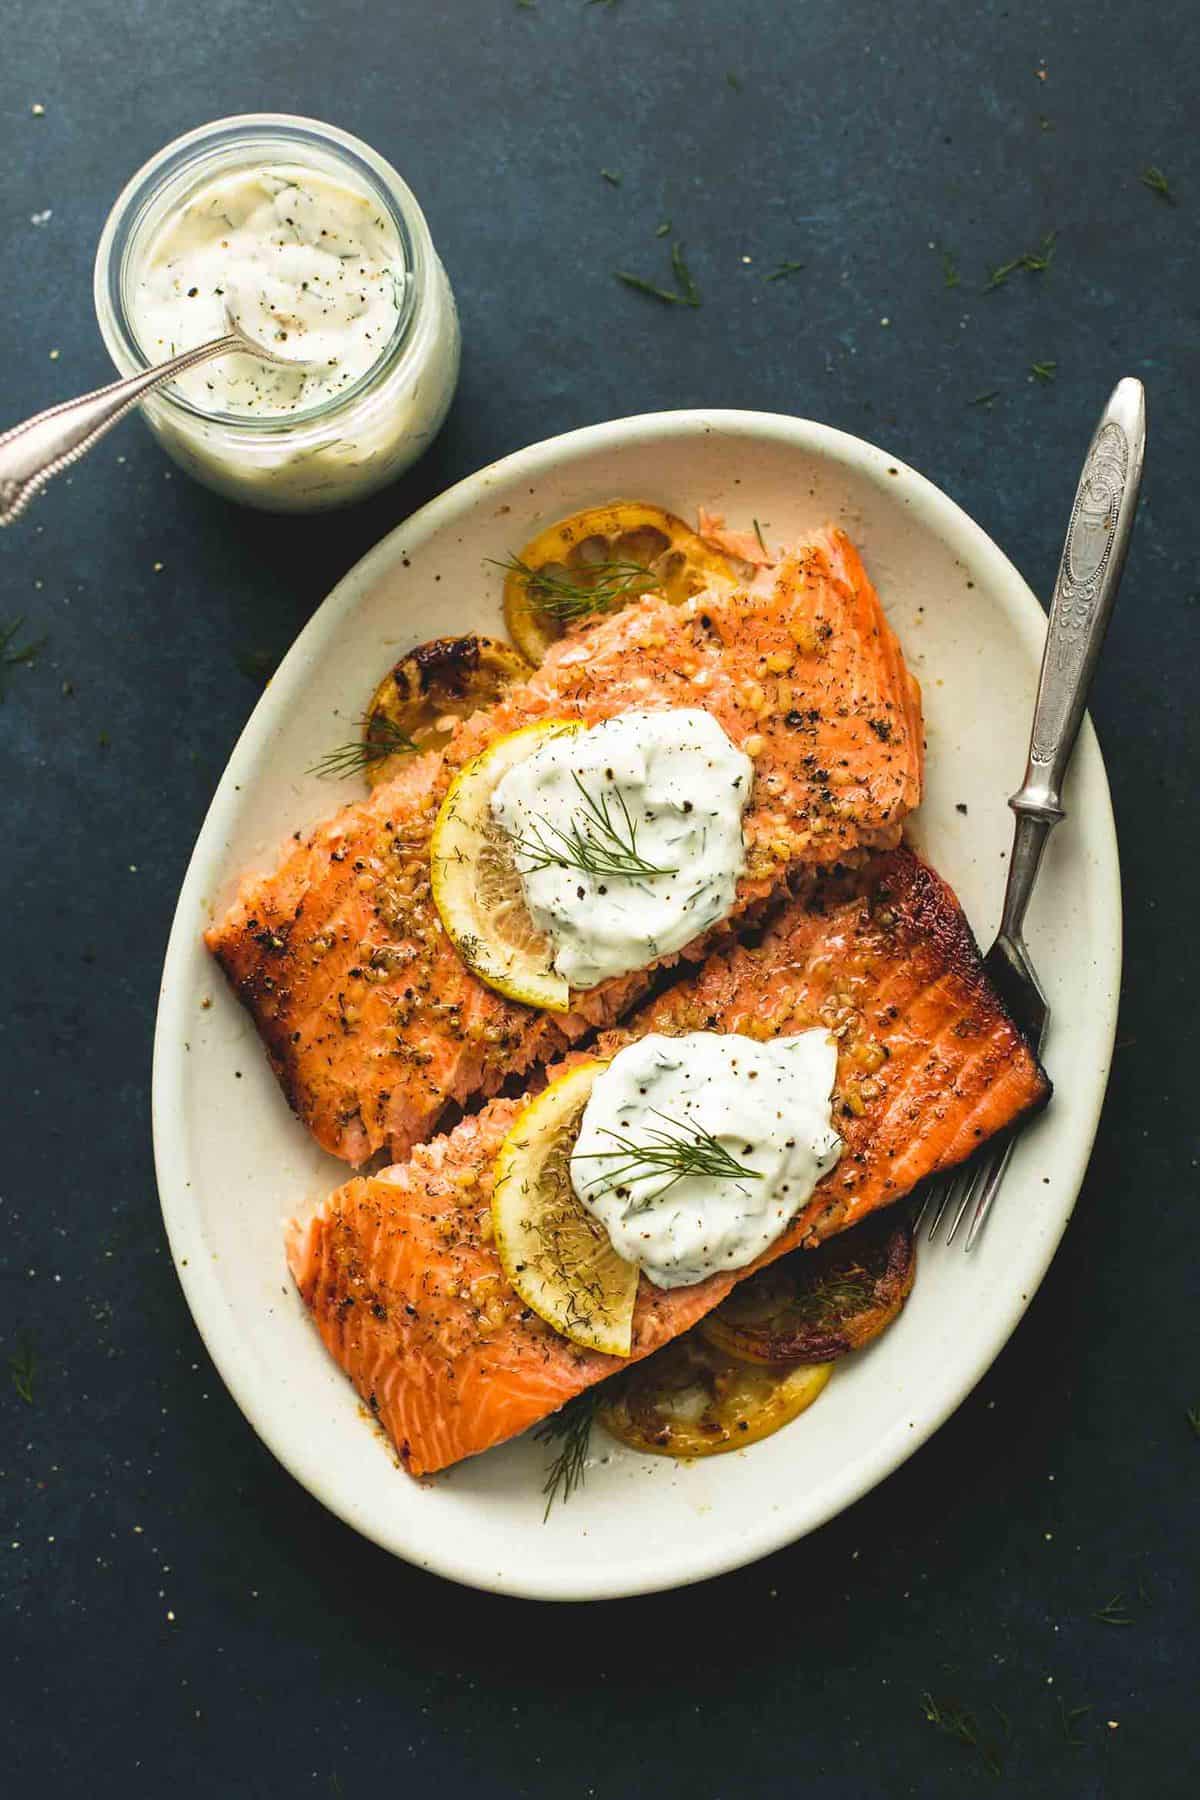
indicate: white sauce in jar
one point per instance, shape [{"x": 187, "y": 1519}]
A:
[
  {"x": 307, "y": 264},
  {"x": 627, "y": 836},
  {"x": 758, "y": 1117}
]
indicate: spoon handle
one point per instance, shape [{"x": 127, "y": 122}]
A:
[{"x": 32, "y": 453}]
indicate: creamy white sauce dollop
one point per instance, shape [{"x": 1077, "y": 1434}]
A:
[
  {"x": 669, "y": 783},
  {"x": 767, "y": 1106},
  {"x": 310, "y": 266}
]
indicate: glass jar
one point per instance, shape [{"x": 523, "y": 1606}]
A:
[{"x": 346, "y": 445}]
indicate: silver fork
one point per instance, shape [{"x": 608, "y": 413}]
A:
[{"x": 1088, "y": 577}]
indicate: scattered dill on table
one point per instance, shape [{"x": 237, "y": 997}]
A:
[
  {"x": 570, "y": 1428},
  {"x": 1034, "y": 262},
  {"x": 950, "y": 274},
  {"x": 783, "y": 271},
  {"x": 733, "y": 80},
  {"x": 612, "y": 177},
  {"x": 663, "y": 230},
  {"x": 986, "y": 398},
  {"x": 381, "y": 738},
  {"x": 14, "y": 655},
  {"x": 21, "y": 1366},
  {"x": 1193, "y": 1419},
  {"x": 1068, "y": 1718},
  {"x": 1043, "y": 371},
  {"x": 1156, "y": 181},
  {"x": 1113, "y": 1612},
  {"x": 956, "y": 1722},
  {"x": 685, "y": 291}
]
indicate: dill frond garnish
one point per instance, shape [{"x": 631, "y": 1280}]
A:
[
  {"x": 570, "y": 1428},
  {"x": 1034, "y": 261},
  {"x": 12, "y": 654},
  {"x": 562, "y": 598},
  {"x": 685, "y": 291},
  {"x": 681, "y": 1149},
  {"x": 1157, "y": 182},
  {"x": 380, "y": 739},
  {"x": 21, "y": 1367},
  {"x": 956, "y": 1722},
  {"x": 597, "y": 842}
]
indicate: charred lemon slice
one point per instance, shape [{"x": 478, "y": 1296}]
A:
[
  {"x": 557, "y": 1257},
  {"x": 477, "y": 887},
  {"x": 419, "y": 702},
  {"x": 691, "y": 1399},
  {"x": 600, "y": 560},
  {"x": 815, "y": 1305}
]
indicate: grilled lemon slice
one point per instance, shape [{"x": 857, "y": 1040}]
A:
[
  {"x": 476, "y": 884},
  {"x": 691, "y": 1399},
  {"x": 557, "y": 1257},
  {"x": 420, "y": 700},
  {"x": 600, "y": 560}
]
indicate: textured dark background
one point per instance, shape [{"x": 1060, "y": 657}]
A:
[{"x": 181, "y": 1617}]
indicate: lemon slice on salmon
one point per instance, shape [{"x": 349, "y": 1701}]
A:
[
  {"x": 598, "y": 561},
  {"x": 554, "y": 1253},
  {"x": 477, "y": 886}
]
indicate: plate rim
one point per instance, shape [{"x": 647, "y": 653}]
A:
[{"x": 202, "y": 1291}]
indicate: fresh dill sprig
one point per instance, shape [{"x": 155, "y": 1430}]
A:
[
  {"x": 1156, "y": 181},
  {"x": 12, "y": 654},
  {"x": 685, "y": 291},
  {"x": 596, "y": 843},
  {"x": 1043, "y": 371},
  {"x": 985, "y": 399},
  {"x": 956, "y": 1722},
  {"x": 612, "y": 584},
  {"x": 950, "y": 274},
  {"x": 783, "y": 271},
  {"x": 1034, "y": 261},
  {"x": 380, "y": 739},
  {"x": 682, "y": 1149},
  {"x": 1068, "y": 1716},
  {"x": 570, "y": 1428},
  {"x": 1113, "y": 1612},
  {"x": 21, "y": 1367}
]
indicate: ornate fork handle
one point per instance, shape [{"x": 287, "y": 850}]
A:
[
  {"x": 32, "y": 453},
  {"x": 1088, "y": 577}
]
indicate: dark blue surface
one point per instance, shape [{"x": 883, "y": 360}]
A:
[{"x": 180, "y": 1617}]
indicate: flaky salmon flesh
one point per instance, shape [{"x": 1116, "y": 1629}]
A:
[
  {"x": 399, "y": 1269},
  {"x": 371, "y": 1020}
]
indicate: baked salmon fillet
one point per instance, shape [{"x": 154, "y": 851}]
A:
[
  {"x": 370, "y": 1018},
  {"x": 399, "y": 1268}
]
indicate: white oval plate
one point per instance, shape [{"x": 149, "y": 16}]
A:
[{"x": 232, "y": 1161}]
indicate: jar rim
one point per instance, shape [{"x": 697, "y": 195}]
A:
[{"x": 187, "y": 160}]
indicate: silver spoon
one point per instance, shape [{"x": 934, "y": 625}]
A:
[{"x": 32, "y": 453}]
